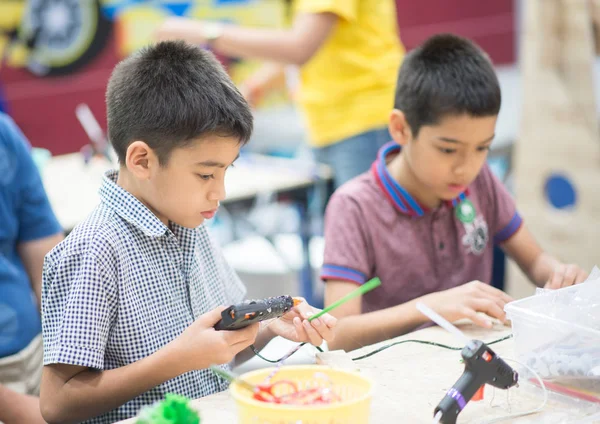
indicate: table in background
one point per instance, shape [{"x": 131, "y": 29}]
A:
[{"x": 72, "y": 188}]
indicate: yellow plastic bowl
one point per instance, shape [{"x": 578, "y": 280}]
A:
[{"x": 354, "y": 389}]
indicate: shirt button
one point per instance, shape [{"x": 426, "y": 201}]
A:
[{"x": 441, "y": 245}]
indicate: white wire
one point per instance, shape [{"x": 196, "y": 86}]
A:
[
  {"x": 532, "y": 411},
  {"x": 437, "y": 418}
]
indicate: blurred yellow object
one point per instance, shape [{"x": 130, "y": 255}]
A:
[
  {"x": 354, "y": 389},
  {"x": 11, "y": 13},
  {"x": 136, "y": 26},
  {"x": 18, "y": 55}
]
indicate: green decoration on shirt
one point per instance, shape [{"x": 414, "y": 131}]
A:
[{"x": 465, "y": 211}]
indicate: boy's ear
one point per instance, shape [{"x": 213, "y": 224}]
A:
[
  {"x": 399, "y": 128},
  {"x": 140, "y": 159}
]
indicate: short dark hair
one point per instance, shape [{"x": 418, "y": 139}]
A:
[
  {"x": 446, "y": 75},
  {"x": 170, "y": 93}
]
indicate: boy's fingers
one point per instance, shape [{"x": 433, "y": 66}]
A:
[
  {"x": 556, "y": 278},
  {"x": 329, "y": 320},
  {"x": 496, "y": 292},
  {"x": 313, "y": 337},
  {"x": 477, "y": 318},
  {"x": 581, "y": 276},
  {"x": 322, "y": 329},
  {"x": 494, "y": 297},
  {"x": 489, "y": 307},
  {"x": 210, "y": 318},
  {"x": 570, "y": 276},
  {"x": 241, "y": 336},
  {"x": 300, "y": 330}
]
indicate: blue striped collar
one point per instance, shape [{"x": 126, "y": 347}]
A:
[{"x": 394, "y": 192}]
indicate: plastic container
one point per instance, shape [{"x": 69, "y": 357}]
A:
[
  {"x": 354, "y": 389},
  {"x": 557, "y": 333}
]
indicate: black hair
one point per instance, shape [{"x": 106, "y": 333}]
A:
[
  {"x": 446, "y": 75},
  {"x": 169, "y": 94}
]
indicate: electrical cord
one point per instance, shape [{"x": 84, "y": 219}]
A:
[
  {"x": 284, "y": 357},
  {"x": 382, "y": 348},
  {"x": 425, "y": 342},
  {"x": 531, "y": 411}
]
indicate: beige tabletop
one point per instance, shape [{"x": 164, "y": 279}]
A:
[{"x": 410, "y": 380}]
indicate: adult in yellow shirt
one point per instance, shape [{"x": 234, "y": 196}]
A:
[{"x": 348, "y": 52}]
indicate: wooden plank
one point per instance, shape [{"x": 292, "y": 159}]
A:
[{"x": 559, "y": 133}]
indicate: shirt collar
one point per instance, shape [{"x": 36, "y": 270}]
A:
[
  {"x": 128, "y": 207},
  {"x": 394, "y": 192}
]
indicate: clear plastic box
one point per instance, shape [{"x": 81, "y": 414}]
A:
[{"x": 557, "y": 334}]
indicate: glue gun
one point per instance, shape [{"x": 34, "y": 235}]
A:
[
  {"x": 482, "y": 366},
  {"x": 252, "y": 311}
]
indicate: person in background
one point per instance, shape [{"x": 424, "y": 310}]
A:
[
  {"x": 348, "y": 52},
  {"x": 28, "y": 231},
  {"x": 425, "y": 217}
]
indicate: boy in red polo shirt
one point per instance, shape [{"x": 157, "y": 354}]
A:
[{"x": 424, "y": 218}]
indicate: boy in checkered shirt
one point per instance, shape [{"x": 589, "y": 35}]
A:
[{"x": 131, "y": 296}]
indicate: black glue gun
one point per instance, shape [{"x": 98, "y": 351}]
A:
[
  {"x": 482, "y": 366},
  {"x": 252, "y": 311}
]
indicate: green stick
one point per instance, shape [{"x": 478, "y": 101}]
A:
[
  {"x": 368, "y": 286},
  {"x": 231, "y": 377}
]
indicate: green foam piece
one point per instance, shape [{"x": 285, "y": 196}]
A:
[{"x": 174, "y": 409}]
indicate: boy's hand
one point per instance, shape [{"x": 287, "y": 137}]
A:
[
  {"x": 467, "y": 300},
  {"x": 565, "y": 275},
  {"x": 253, "y": 93},
  {"x": 200, "y": 345},
  {"x": 295, "y": 326}
]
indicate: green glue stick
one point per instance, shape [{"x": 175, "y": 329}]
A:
[{"x": 367, "y": 287}]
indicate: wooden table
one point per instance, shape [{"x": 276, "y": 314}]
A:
[{"x": 410, "y": 379}]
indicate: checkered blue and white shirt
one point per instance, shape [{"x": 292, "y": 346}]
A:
[{"x": 122, "y": 285}]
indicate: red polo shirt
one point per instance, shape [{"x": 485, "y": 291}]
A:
[{"x": 373, "y": 227}]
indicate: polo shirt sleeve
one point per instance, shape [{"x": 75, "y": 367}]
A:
[
  {"x": 345, "y": 9},
  {"x": 504, "y": 217},
  {"x": 348, "y": 251},
  {"x": 79, "y": 304},
  {"x": 35, "y": 216}
]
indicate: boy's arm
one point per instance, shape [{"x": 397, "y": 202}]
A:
[
  {"x": 38, "y": 231},
  {"x": 17, "y": 408},
  {"x": 355, "y": 329},
  {"x": 542, "y": 269},
  {"x": 71, "y": 393},
  {"x": 294, "y": 46},
  {"x": 513, "y": 237},
  {"x": 32, "y": 254}
]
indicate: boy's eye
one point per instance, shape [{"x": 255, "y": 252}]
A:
[
  {"x": 483, "y": 148},
  {"x": 447, "y": 151},
  {"x": 205, "y": 177}
]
